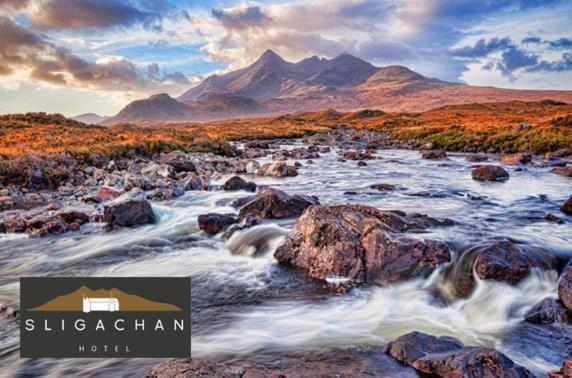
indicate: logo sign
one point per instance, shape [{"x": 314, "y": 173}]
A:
[{"x": 105, "y": 317}]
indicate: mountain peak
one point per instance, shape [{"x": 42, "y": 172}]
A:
[{"x": 270, "y": 56}]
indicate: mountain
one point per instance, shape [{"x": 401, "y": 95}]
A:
[
  {"x": 127, "y": 302},
  {"x": 271, "y": 86},
  {"x": 89, "y": 118}
]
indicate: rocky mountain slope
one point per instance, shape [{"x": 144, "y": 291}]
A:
[{"x": 272, "y": 85}]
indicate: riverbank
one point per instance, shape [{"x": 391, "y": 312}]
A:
[{"x": 471, "y": 246}]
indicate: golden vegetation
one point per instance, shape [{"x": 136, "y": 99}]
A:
[{"x": 510, "y": 126}]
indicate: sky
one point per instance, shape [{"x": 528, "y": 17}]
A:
[{"x": 80, "y": 56}]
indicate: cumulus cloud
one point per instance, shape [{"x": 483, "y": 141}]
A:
[{"x": 24, "y": 53}]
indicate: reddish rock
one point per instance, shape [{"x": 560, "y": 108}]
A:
[
  {"x": 471, "y": 362},
  {"x": 489, "y": 173},
  {"x": 129, "y": 209},
  {"x": 74, "y": 216},
  {"x": 272, "y": 203},
  {"x": 46, "y": 224},
  {"x": 477, "y": 158},
  {"x": 564, "y": 372},
  {"x": 565, "y": 288},
  {"x": 359, "y": 243},
  {"x": 506, "y": 262},
  {"x": 553, "y": 218},
  {"x": 447, "y": 357},
  {"x": 567, "y": 207},
  {"x": 214, "y": 223},
  {"x": 547, "y": 312},
  {"x": 107, "y": 193},
  {"x": 434, "y": 155},
  {"x": 564, "y": 171},
  {"x": 520, "y": 158},
  {"x": 237, "y": 183}
]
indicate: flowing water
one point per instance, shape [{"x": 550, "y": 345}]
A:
[{"x": 246, "y": 307}]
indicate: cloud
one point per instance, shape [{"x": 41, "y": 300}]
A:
[
  {"x": 241, "y": 18},
  {"x": 24, "y": 53},
  {"x": 13, "y": 5},
  {"x": 515, "y": 58},
  {"x": 92, "y": 14},
  {"x": 535, "y": 40},
  {"x": 483, "y": 48},
  {"x": 562, "y": 65},
  {"x": 561, "y": 43}
]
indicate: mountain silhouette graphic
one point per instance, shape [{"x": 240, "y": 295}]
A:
[{"x": 129, "y": 302}]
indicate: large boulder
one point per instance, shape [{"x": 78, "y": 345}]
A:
[
  {"x": 237, "y": 183},
  {"x": 129, "y": 209},
  {"x": 567, "y": 207},
  {"x": 565, "y": 288},
  {"x": 214, "y": 223},
  {"x": 360, "y": 243},
  {"x": 474, "y": 362},
  {"x": 489, "y": 173},
  {"x": 501, "y": 261},
  {"x": 180, "y": 161},
  {"x": 272, "y": 203},
  {"x": 447, "y": 357},
  {"x": 279, "y": 169}
]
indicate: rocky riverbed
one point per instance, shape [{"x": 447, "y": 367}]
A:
[{"x": 338, "y": 253}]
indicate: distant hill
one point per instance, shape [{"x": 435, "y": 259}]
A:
[
  {"x": 273, "y": 86},
  {"x": 89, "y": 118}
]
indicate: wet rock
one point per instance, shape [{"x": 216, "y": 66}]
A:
[
  {"x": 214, "y": 223},
  {"x": 360, "y": 243},
  {"x": 564, "y": 372},
  {"x": 412, "y": 346},
  {"x": 500, "y": 261},
  {"x": 46, "y": 224},
  {"x": 565, "y": 288},
  {"x": 193, "y": 182},
  {"x": 447, "y": 357},
  {"x": 6, "y": 203},
  {"x": 562, "y": 153},
  {"x": 434, "y": 155},
  {"x": 237, "y": 183},
  {"x": 471, "y": 362},
  {"x": 357, "y": 155},
  {"x": 279, "y": 169},
  {"x": 260, "y": 144},
  {"x": 520, "y": 158},
  {"x": 74, "y": 216},
  {"x": 180, "y": 161},
  {"x": 567, "y": 207},
  {"x": 251, "y": 167},
  {"x": 54, "y": 206},
  {"x": 553, "y": 218},
  {"x": 15, "y": 223},
  {"x": 106, "y": 193},
  {"x": 361, "y": 163},
  {"x": 133, "y": 180},
  {"x": 477, "y": 158},
  {"x": 272, "y": 203},
  {"x": 548, "y": 311},
  {"x": 563, "y": 171},
  {"x": 489, "y": 173},
  {"x": 129, "y": 209},
  {"x": 506, "y": 262},
  {"x": 346, "y": 363},
  {"x": 8, "y": 312},
  {"x": 383, "y": 187}
]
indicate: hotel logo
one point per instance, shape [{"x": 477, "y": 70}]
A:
[{"x": 105, "y": 317}]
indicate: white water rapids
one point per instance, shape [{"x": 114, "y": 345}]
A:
[{"x": 247, "y": 307}]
